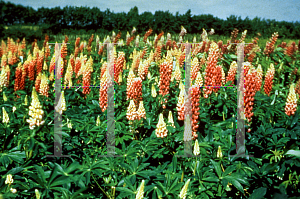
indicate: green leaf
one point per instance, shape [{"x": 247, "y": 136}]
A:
[
  {"x": 293, "y": 152},
  {"x": 217, "y": 168},
  {"x": 295, "y": 120},
  {"x": 258, "y": 193}
]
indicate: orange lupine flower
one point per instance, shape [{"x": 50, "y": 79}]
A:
[
  {"x": 130, "y": 87},
  {"x": 31, "y": 69},
  {"x": 87, "y": 76},
  {"x": 210, "y": 71},
  {"x": 18, "y": 77},
  {"x": 259, "y": 78},
  {"x": 39, "y": 63},
  {"x": 269, "y": 79},
  {"x": 23, "y": 78},
  {"x": 250, "y": 85},
  {"x": 147, "y": 34},
  {"x": 8, "y": 73},
  {"x": 195, "y": 97},
  {"x": 119, "y": 66},
  {"x": 103, "y": 92},
  {"x": 38, "y": 82},
  {"x": 270, "y": 45}
]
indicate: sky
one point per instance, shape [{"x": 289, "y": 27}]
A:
[{"x": 280, "y": 10}]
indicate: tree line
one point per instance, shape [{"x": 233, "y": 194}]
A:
[{"x": 59, "y": 20}]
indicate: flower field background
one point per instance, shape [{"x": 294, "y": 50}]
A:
[{"x": 149, "y": 105}]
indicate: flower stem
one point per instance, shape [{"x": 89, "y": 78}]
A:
[{"x": 100, "y": 187}]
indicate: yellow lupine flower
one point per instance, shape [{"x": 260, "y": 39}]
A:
[
  {"x": 196, "y": 148},
  {"x": 131, "y": 111},
  {"x": 3, "y": 78},
  {"x": 183, "y": 191},
  {"x": 9, "y": 179},
  {"x": 170, "y": 119},
  {"x": 141, "y": 111},
  {"x": 5, "y": 118},
  {"x": 4, "y": 97},
  {"x": 26, "y": 101},
  {"x": 37, "y": 194},
  {"x": 199, "y": 80},
  {"x": 13, "y": 190},
  {"x": 161, "y": 130},
  {"x": 219, "y": 153},
  {"x": 177, "y": 72},
  {"x": 153, "y": 91},
  {"x": 35, "y": 111},
  {"x": 140, "y": 193},
  {"x": 98, "y": 121},
  {"x": 69, "y": 124}
]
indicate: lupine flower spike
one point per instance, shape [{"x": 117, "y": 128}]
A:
[
  {"x": 161, "y": 130},
  {"x": 291, "y": 102},
  {"x": 5, "y": 118},
  {"x": 196, "y": 148},
  {"x": 140, "y": 193},
  {"x": 183, "y": 191}
]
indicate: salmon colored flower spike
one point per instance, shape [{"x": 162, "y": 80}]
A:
[
  {"x": 291, "y": 102},
  {"x": 161, "y": 130}
]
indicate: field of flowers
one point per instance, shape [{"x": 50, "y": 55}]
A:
[{"x": 164, "y": 147}]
